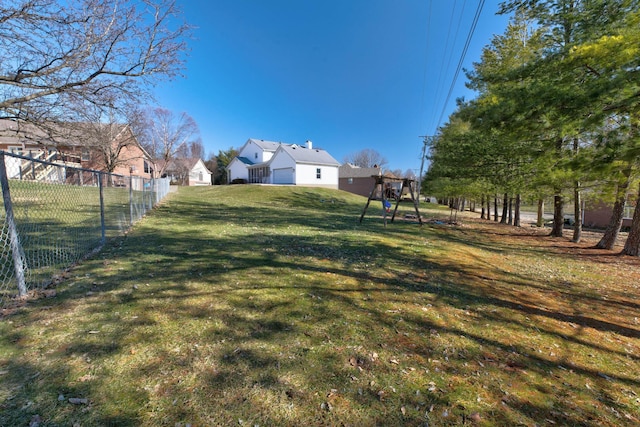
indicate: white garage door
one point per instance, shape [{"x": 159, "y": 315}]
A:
[{"x": 283, "y": 176}]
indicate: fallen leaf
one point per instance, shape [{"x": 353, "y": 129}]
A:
[
  {"x": 35, "y": 421},
  {"x": 326, "y": 406}
]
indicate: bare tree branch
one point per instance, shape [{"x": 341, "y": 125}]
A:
[
  {"x": 52, "y": 53},
  {"x": 164, "y": 134},
  {"x": 366, "y": 158}
]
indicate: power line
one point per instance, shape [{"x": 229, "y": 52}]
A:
[
  {"x": 462, "y": 56},
  {"x": 447, "y": 58},
  {"x": 426, "y": 62}
]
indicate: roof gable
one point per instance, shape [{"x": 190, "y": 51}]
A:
[{"x": 182, "y": 164}]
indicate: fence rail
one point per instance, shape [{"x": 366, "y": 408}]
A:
[{"x": 54, "y": 214}]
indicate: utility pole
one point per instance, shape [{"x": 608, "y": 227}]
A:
[{"x": 426, "y": 140}]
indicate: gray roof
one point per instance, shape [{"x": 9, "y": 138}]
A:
[
  {"x": 266, "y": 145},
  {"x": 305, "y": 155},
  {"x": 351, "y": 171},
  {"x": 348, "y": 170},
  {"x": 14, "y": 131},
  {"x": 177, "y": 164},
  {"x": 67, "y": 134}
]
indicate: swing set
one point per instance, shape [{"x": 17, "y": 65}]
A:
[{"x": 383, "y": 187}]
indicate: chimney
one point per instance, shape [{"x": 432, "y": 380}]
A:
[{"x": 309, "y": 145}]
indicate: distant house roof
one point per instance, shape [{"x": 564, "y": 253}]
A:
[
  {"x": 348, "y": 170},
  {"x": 306, "y": 155},
  {"x": 69, "y": 134},
  {"x": 178, "y": 164}
]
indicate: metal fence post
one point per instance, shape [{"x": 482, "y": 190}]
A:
[
  {"x": 16, "y": 249},
  {"x": 152, "y": 192},
  {"x": 130, "y": 197},
  {"x": 102, "y": 226}
]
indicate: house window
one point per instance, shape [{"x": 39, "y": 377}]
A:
[
  {"x": 200, "y": 177},
  {"x": 628, "y": 212},
  {"x": 85, "y": 156},
  {"x": 16, "y": 150},
  {"x": 318, "y": 173},
  {"x": 147, "y": 168},
  {"x": 350, "y": 180},
  {"x": 255, "y": 156}
]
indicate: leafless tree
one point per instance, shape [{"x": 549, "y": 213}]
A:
[
  {"x": 105, "y": 132},
  {"x": 191, "y": 150},
  {"x": 54, "y": 52},
  {"x": 196, "y": 149},
  {"x": 366, "y": 158},
  {"x": 163, "y": 134}
]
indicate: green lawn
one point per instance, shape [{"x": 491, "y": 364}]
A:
[
  {"x": 59, "y": 225},
  {"x": 274, "y": 306}
]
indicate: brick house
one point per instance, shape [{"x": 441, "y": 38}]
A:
[
  {"x": 357, "y": 180},
  {"x": 99, "y": 147}
]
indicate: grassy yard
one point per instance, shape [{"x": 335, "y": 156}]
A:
[{"x": 273, "y": 306}]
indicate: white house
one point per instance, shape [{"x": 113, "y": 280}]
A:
[
  {"x": 187, "y": 171},
  {"x": 269, "y": 162}
]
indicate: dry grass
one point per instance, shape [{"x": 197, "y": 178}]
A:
[{"x": 269, "y": 306}]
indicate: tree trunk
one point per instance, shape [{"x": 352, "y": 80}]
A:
[
  {"x": 488, "y": 208},
  {"x": 516, "y": 218},
  {"x": 610, "y": 235},
  {"x": 510, "y": 210},
  {"x": 505, "y": 207},
  {"x": 558, "y": 215},
  {"x": 540, "y": 221},
  {"x": 632, "y": 245},
  {"x": 577, "y": 213},
  {"x": 495, "y": 208},
  {"x": 482, "y": 214},
  {"x": 577, "y": 201}
]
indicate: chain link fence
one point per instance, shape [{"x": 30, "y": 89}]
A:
[{"x": 54, "y": 214}]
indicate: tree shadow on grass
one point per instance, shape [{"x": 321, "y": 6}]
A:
[{"x": 271, "y": 296}]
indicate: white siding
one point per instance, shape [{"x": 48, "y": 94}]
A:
[
  {"x": 282, "y": 161},
  {"x": 307, "y": 175},
  {"x": 199, "y": 175},
  {"x": 283, "y": 169},
  {"x": 254, "y": 153},
  {"x": 237, "y": 170},
  {"x": 12, "y": 165}
]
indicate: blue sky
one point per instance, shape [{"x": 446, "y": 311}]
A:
[{"x": 346, "y": 74}]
